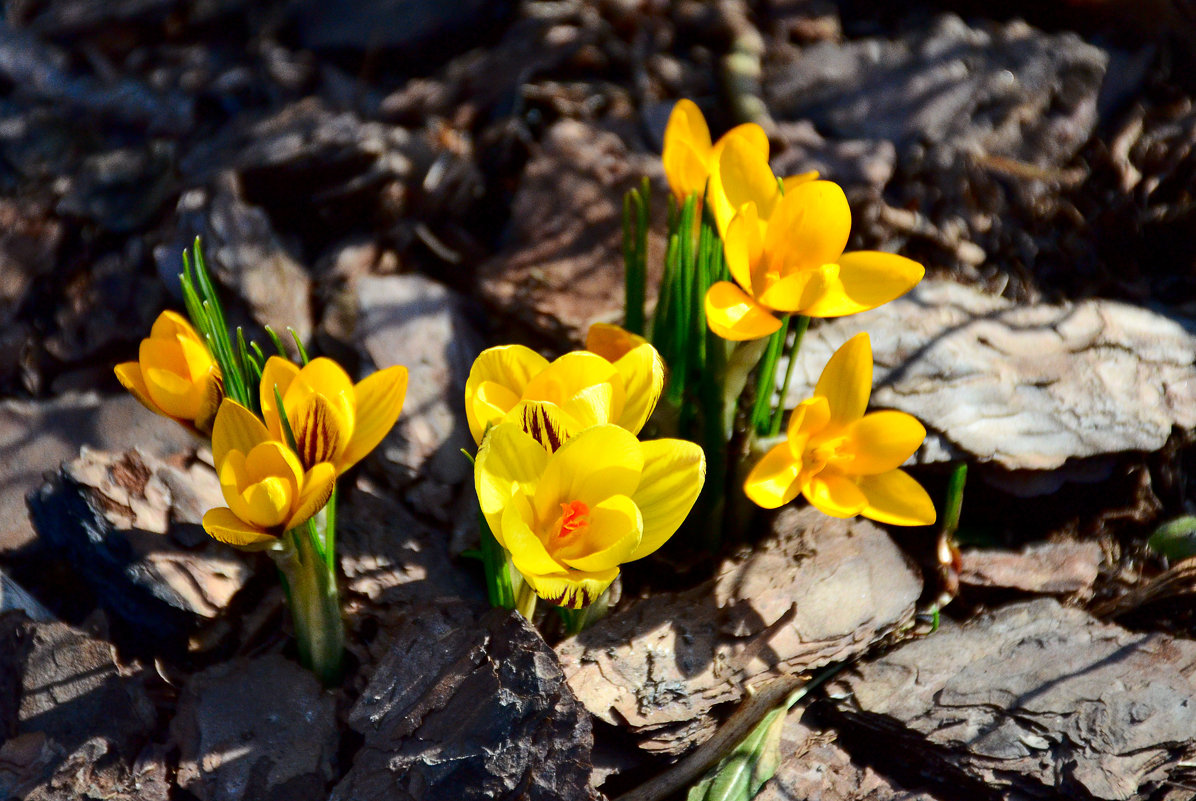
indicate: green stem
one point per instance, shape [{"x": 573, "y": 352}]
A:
[
  {"x": 525, "y": 601},
  {"x": 766, "y": 381},
  {"x": 499, "y": 588},
  {"x": 954, "y": 501},
  {"x": 799, "y": 331},
  {"x": 314, "y": 601},
  {"x": 330, "y": 532}
]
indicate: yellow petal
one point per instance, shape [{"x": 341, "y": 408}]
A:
[
  {"x": 772, "y": 483},
  {"x": 751, "y": 135},
  {"x": 880, "y": 442},
  {"x": 672, "y": 477},
  {"x": 741, "y": 175},
  {"x": 273, "y": 458},
  {"x": 743, "y": 246},
  {"x": 611, "y": 342},
  {"x": 268, "y": 501},
  {"x": 846, "y": 381},
  {"x": 321, "y": 432},
  {"x": 809, "y": 227},
  {"x": 509, "y": 462},
  {"x": 586, "y": 386},
  {"x": 510, "y": 367},
  {"x": 896, "y": 498},
  {"x": 196, "y": 357},
  {"x": 278, "y": 373},
  {"x": 177, "y": 396},
  {"x": 527, "y": 550},
  {"x": 809, "y": 417},
  {"x": 834, "y": 494},
  {"x": 610, "y": 539},
  {"x": 129, "y": 376},
  {"x": 594, "y": 465},
  {"x": 793, "y": 293},
  {"x": 221, "y": 524},
  {"x": 324, "y": 378},
  {"x": 318, "y": 484},
  {"x": 734, "y": 315},
  {"x": 642, "y": 370},
  {"x": 236, "y": 429},
  {"x": 545, "y": 422},
  {"x": 791, "y": 182},
  {"x": 686, "y": 149},
  {"x": 234, "y": 479},
  {"x": 870, "y": 278},
  {"x": 213, "y": 394},
  {"x": 379, "y": 399},
  {"x": 575, "y": 589},
  {"x": 170, "y": 325}
]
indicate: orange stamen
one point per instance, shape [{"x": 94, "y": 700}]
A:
[{"x": 575, "y": 515}]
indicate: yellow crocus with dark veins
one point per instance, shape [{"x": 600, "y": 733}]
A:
[
  {"x": 688, "y": 155},
  {"x": 569, "y": 518},
  {"x": 265, "y": 486},
  {"x": 175, "y": 375},
  {"x": 785, "y": 252},
  {"x": 582, "y": 388},
  {"x": 845, "y": 462},
  {"x": 333, "y": 419}
]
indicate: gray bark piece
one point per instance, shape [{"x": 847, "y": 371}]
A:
[
  {"x": 113, "y": 516},
  {"x": 1002, "y": 89},
  {"x": 1034, "y": 700},
  {"x": 822, "y": 590},
  {"x": 462, "y": 710},
  {"x": 564, "y": 269},
  {"x": 261, "y": 729},
  {"x": 35, "y": 436},
  {"x": 413, "y": 321},
  {"x": 1049, "y": 568},
  {"x": 1024, "y": 386}
]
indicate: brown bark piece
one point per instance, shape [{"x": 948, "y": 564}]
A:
[
  {"x": 261, "y": 729},
  {"x": 1033, "y": 700},
  {"x": 467, "y": 710},
  {"x": 820, "y": 591},
  {"x": 1048, "y": 568},
  {"x": 565, "y": 268}
]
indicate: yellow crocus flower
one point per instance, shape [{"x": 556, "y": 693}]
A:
[
  {"x": 845, "y": 462},
  {"x": 174, "y": 374},
  {"x": 569, "y": 518},
  {"x": 264, "y": 484},
  {"x": 333, "y": 419},
  {"x": 785, "y": 252},
  {"x": 689, "y": 157},
  {"x": 580, "y": 389}
]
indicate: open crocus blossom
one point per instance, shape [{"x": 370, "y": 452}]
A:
[
  {"x": 333, "y": 419},
  {"x": 571, "y": 517},
  {"x": 580, "y": 389},
  {"x": 689, "y": 157},
  {"x": 174, "y": 374},
  {"x": 785, "y": 252},
  {"x": 265, "y": 486},
  {"x": 845, "y": 462}
]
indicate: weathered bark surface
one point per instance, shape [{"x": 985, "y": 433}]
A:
[
  {"x": 260, "y": 728},
  {"x": 1025, "y": 386},
  {"x": 1033, "y": 700},
  {"x": 1048, "y": 568},
  {"x": 814, "y": 767},
  {"x": 80, "y": 719},
  {"x": 467, "y": 710},
  {"x": 35, "y": 436},
  {"x": 822, "y": 590},
  {"x": 128, "y": 523},
  {"x": 563, "y": 269},
  {"x": 413, "y": 321}
]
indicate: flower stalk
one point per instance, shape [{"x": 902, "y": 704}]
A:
[{"x": 314, "y": 601}]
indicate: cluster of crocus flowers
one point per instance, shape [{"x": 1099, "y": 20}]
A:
[
  {"x": 784, "y": 243},
  {"x": 846, "y": 462},
  {"x": 175, "y": 375},
  {"x": 271, "y": 487},
  {"x": 565, "y": 486}
]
